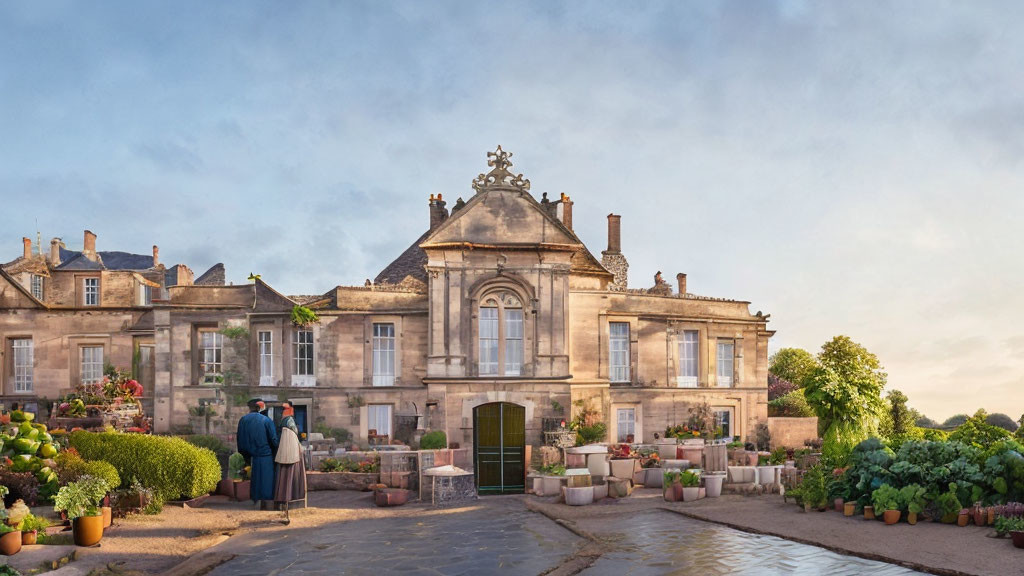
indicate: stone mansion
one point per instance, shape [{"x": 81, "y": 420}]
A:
[{"x": 498, "y": 301}]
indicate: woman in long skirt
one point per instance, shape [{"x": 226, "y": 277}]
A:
[{"x": 291, "y": 470}]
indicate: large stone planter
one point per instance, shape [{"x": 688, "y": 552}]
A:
[
  {"x": 624, "y": 468},
  {"x": 691, "y": 494},
  {"x": 619, "y": 488},
  {"x": 667, "y": 450},
  {"x": 713, "y": 484},
  {"x": 695, "y": 454},
  {"x": 391, "y": 497},
  {"x": 600, "y": 491},
  {"x": 765, "y": 475},
  {"x": 579, "y": 496},
  {"x": 548, "y": 485},
  {"x": 340, "y": 480},
  {"x": 654, "y": 478}
]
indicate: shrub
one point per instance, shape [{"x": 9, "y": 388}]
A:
[
  {"x": 172, "y": 467},
  {"x": 434, "y": 440},
  {"x": 236, "y": 466},
  {"x": 1003, "y": 421},
  {"x": 976, "y": 432},
  {"x": 814, "y": 488},
  {"x": 210, "y": 442},
  {"x": 20, "y": 486},
  {"x": 368, "y": 466},
  {"x": 71, "y": 468},
  {"x": 791, "y": 405}
]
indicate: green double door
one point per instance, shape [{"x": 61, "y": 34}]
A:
[{"x": 499, "y": 440}]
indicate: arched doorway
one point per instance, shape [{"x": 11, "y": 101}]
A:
[{"x": 499, "y": 440}]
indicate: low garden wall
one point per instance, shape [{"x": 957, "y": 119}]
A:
[
  {"x": 340, "y": 480},
  {"x": 792, "y": 432}
]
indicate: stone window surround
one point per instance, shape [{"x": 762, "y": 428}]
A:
[
  {"x": 302, "y": 380},
  {"x": 604, "y": 363},
  {"x": 638, "y": 420},
  {"x": 32, "y": 281},
  {"x": 197, "y": 352},
  {"x": 368, "y": 323},
  {"x": 704, "y": 363},
  {"x": 77, "y": 360},
  {"x": 7, "y": 374},
  {"x": 481, "y": 293},
  {"x": 259, "y": 329},
  {"x": 80, "y": 289},
  {"x": 74, "y": 352}
]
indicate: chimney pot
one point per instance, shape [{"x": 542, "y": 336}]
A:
[
  {"x": 438, "y": 212},
  {"x": 566, "y": 210},
  {"x": 55, "y": 252},
  {"x": 156, "y": 256},
  {"x": 27, "y": 246},
  {"x": 614, "y": 234},
  {"x": 681, "y": 279},
  {"x": 89, "y": 242}
]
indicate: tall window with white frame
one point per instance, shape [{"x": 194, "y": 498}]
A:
[
  {"x": 211, "y": 350},
  {"x": 302, "y": 358},
  {"x": 37, "y": 286},
  {"x": 618, "y": 351},
  {"x": 91, "y": 368},
  {"x": 689, "y": 363},
  {"x": 383, "y": 361},
  {"x": 626, "y": 424},
  {"x": 726, "y": 350},
  {"x": 265, "y": 343},
  {"x": 145, "y": 295},
  {"x": 501, "y": 334},
  {"x": 91, "y": 291},
  {"x": 378, "y": 419},
  {"x": 22, "y": 364}
]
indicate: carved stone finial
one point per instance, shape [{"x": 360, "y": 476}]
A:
[{"x": 499, "y": 175}]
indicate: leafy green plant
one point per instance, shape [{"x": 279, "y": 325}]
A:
[
  {"x": 814, "y": 488},
  {"x": 302, "y": 316},
  {"x": 913, "y": 498},
  {"x": 236, "y": 467},
  {"x": 1006, "y": 524},
  {"x": 778, "y": 456},
  {"x": 81, "y": 498},
  {"x": 673, "y": 477},
  {"x": 978, "y": 433},
  {"x": 886, "y": 498},
  {"x": 552, "y": 470},
  {"x": 689, "y": 479},
  {"x": 170, "y": 466},
  {"x": 5, "y": 528},
  {"x": 434, "y": 440},
  {"x": 948, "y": 504}
]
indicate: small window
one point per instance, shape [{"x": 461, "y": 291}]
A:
[
  {"x": 92, "y": 364},
  {"x": 265, "y": 342},
  {"x": 378, "y": 417},
  {"x": 383, "y": 361},
  {"x": 91, "y": 291},
  {"x": 725, "y": 363},
  {"x": 37, "y": 286},
  {"x": 211, "y": 349},
  {"x": 22, "y": 364},
  {"x": 626, "y": 423},
  {"x": 689, "y": 349},
  {"x": 302, "y": 358},
  {"x": 618, "y": 353},
  {"x": 145, "y": 295}
]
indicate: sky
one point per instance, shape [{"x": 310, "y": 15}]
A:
[{"x": 848, "y": 167}]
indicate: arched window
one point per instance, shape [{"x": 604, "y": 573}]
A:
[{"x": 501, "y": 335}]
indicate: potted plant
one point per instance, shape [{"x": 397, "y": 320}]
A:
[
  {"x": 963, "y": 517},
  {"x": 978, "y": 513},
  {"x": 765, "y": 471},
  {"x": 1014, "y": 526},
  {"x": 948, "y": 505},
  {"x": 886, "y": 500},
  {"x": 815, "y": 488},
  {"x": 33, "y": 529},
  {"x": 10, "y": 540},
  {"x": 80, "y": 500},
  {"x": 673, "y": 487},
  {"x": 913, "y": 497},
  {"x": 869, "y": 512},
  {"x": 690, "y": 481},
  {"x": 238, "y": 473},
  {"x": 839, "y": 491}
]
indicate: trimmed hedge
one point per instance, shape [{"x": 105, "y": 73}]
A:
[
  {"x": 434, "y": 440},
  {"x": 171, "y": 467},
  {"x": 71, "y": 469}
]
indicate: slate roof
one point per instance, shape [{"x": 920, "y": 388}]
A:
[
  {"x": 109, "y": 260},
  {"x": 412, "y": 262},
  {"x": 215, "y": 276}
]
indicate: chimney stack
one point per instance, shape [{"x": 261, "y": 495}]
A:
[
  {"x": 681, "y": 279},
  {"x": 55, "y": 252},
  {"x": 89, "y": 246},
  {"x": 27, "y": 245},
  {"x": 566, "y": 210},
  {"x": 614, "y": 234},
  {"x": 438, "y": 212},
  {"x": 156, "y": 256}
]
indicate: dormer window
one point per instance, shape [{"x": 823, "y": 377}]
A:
[{"x": 501, "y": 335}]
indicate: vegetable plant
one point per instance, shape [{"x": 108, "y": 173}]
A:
[
  {"x": 689, "y": 479},
  {"x": 913, "y": 498},
  {"x": 886, "y": 498},
  {"x": 81, "y": 498}
]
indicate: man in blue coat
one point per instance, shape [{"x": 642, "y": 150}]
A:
[{"x": 257, "y": 441}]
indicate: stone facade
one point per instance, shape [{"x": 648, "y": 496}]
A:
[{"x": 498, "y": 301}]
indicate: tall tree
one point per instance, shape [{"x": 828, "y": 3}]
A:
[
  {"x": 1002, "y": 420},
  {"x": 845, "y": 390},
  {"x": 901, "y": 419},
  {"x": 793, "y": 364},
  {"x": 954, "y": 421}
]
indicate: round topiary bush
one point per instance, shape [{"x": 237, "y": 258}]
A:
[
  {"x": 171, "y": 467},
  {"x": 434, "y": 440}
]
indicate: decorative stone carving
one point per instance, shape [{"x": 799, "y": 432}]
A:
[
  {"x": 499, "y": 176},
  {"x": 660, "y": 287}
]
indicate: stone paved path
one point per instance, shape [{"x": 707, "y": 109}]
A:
[
  {"x": 661, "y": 543},
  {"x": 490, "y": 539}
]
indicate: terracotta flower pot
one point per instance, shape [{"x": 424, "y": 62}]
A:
[
  {"x": 911, "y": 518},
  {"x": 87, "y": 530},
  {"x": 838, "y": 504},
  {"x": 849, "y": 508},
  {"x": 891, "y": 516},
  {"x": 10, "y": 543},
  {"x": 961, "y": 519},
  {"x": 390, "y": 497},
  {"x": 991, "y": 516},
  {"x": 242, "y": 488},
  {"x": 1018, "y": 538},
  {"x": 979, "y": 517},
  {"x": 29, "y": 538},
  {"x": 108, "y": 516},
  {"x": 869, "y": 512}
]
